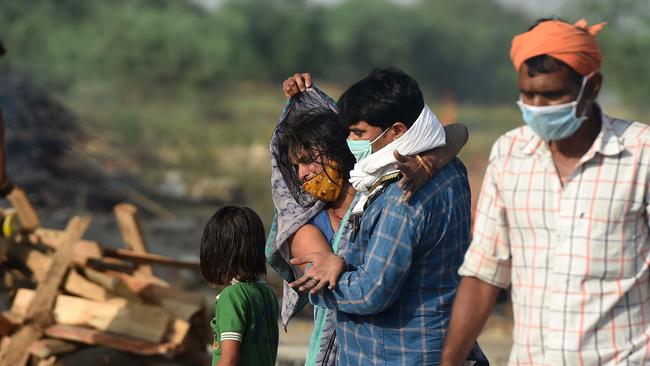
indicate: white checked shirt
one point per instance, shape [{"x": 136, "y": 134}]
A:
[{"x": 575, "y": 255}]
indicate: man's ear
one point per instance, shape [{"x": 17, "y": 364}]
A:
[
  {"x": 593, "y": 86},
  {"x": 399, "y": 128}
]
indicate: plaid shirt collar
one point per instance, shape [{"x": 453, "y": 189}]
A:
[{"x": 607, "y": 143}]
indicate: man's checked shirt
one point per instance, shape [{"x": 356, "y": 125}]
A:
[
  {"x": 394, "y": 303},
  {"x": 576, "y": 255}
]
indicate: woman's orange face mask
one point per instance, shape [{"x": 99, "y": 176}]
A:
[{"x": 327, "y": 185}]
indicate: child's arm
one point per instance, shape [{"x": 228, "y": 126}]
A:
[{"x": 229, "y": 353}]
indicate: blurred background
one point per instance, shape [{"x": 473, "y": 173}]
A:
[{"x": 170, "y": 104}]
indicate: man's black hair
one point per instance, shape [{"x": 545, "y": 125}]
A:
[
  {"x": 2, "y": 49},
  {"x": 543, "y": 64},
  {"x": 382, "y": 98},
  {"x": 232, "y": 246},
  {"x": 317, "y": 132}
]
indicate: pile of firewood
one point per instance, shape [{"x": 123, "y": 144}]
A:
[{"x": 73, "y": 302}]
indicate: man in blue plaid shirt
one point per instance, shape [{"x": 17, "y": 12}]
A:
[{"x": 394, "y": 299}]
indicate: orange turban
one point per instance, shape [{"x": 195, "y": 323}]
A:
[{"x": 575, "y": 45}]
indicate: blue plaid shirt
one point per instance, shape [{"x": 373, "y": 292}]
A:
[{"x": 394, "y": 302}]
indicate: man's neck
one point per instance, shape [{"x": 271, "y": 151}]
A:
[
  {"x": 567, "y": 153},
  {"x": 575, "y": 146}
]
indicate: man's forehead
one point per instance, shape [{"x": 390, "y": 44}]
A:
[
  {"x": 360, "y": 126},
  {"x": 551, "y": 80}
]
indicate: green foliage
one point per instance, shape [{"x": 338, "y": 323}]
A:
[
  {"x": 161, "y": 44},
  {"x": 625, "y": 42}
]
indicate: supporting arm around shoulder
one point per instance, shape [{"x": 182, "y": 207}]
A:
[
  {"x": 415, "y": 173},
  {"x": 457, "y": 135},
  {"x": 472, "y": 307}
]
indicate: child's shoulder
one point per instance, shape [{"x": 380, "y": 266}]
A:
[{"x": 241, "y": 290}]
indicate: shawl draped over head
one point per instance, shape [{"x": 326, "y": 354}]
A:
[
  {"x": 293, "y": 206},
  {"x": 573, "y": 44}
]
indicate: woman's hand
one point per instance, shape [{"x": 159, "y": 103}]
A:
[
  {"x": 296, "y": 84},
  {"x": 325, "y": 269}
]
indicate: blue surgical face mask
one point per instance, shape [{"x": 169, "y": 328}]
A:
[
  {"x": 554, "y": 122},
  {"x": 361, "y": 149}
]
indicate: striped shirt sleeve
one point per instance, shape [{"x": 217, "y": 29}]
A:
[
  {"x": 488, "y": 257},
  {"x": 231, "y": 315},
  {"x": 231, "y": 336}
]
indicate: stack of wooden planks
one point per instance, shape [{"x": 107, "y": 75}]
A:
[{"x": 73, "y": 302}]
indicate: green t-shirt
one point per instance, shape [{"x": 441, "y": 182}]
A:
[{"x": 247, "y": 312}]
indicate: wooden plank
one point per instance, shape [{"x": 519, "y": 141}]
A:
[
  {"x": 127, "y": 220},
  {"x": 182, "y": 304},
  {"x": 112, "y": 283},
  {"x": 37, "y": 262},
  {"x": 47, "y": 290},
  {"x": 47, "y": 347},
  {"x": 148, "y": 258},
  {"x": 137, "y": 284},
  {"x": 50, "y": 361},
  {"x": 84, "y": 249},
  {"x": 78, "y": 285},
  {"x": 14, "y": 350},
  {"x": 99, "y": 338},
  {"x": 9, "y": 322},
  {"x": 142, "y": 321},
  {"x": 178, "y": 331},
  {"x": 26, "y": 214}
]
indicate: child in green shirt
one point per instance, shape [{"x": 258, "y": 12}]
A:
[{"x": 246, "y": 312}]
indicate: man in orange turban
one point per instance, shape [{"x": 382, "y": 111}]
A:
[{"x": 562, "y": 217}]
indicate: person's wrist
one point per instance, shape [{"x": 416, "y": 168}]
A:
[{"x": 425, "y": 164}]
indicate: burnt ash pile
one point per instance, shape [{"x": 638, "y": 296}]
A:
[{"x": 43, "y": 143}]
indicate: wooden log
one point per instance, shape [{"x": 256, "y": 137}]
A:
[
  {"x": 78, "y": 285},
  {"x": 35, "y": 261},
  {"x": 146, "y": 322},
  {"x": 9, "y": 322},
  {"x": 26, "y": 214},
  {"x": 112, "y": 283},
  {"x": 84, "y": 249},
  {"x": 111, "y": 264},
  {"x": 182, "y": 304},
  {"x": 47, "y": 347},
  {"x": 100, "y": 338},
  {"x": 50, "y": 361},
  {"x": 47, "y": 290},
  {"x": 136, "y": 284},
  {"x": 148, "y": 258},
  {"x": 14, "y": 352},
  {"x": 127, "y": 219}
]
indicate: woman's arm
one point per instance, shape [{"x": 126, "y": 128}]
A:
[
  {"x": 229, "y": 353},
  {"x": 457, "y": 135},
  {"x": 308, "y": 239},
  {"x": 414, "y": 175}
]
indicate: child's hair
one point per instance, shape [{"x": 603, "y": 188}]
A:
[{"x": 232, "y": 246}]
